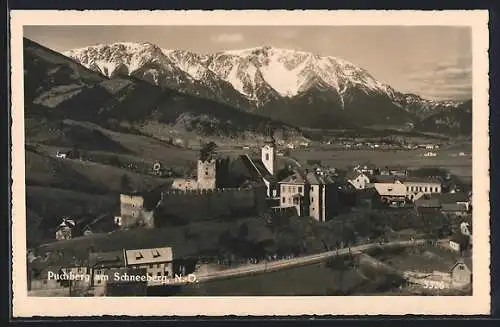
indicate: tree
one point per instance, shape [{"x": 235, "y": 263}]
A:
[{"x": 208, "y": 150}]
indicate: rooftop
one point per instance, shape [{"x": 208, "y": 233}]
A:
[
  {"x": 387, "y": 189},
  {"x": 147, "y": 256}
]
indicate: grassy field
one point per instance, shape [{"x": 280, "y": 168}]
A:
[
  {"x": 308, "y": 280},
  {"x": 448, "y": 158},
  {"x": 421, "y": 259}
]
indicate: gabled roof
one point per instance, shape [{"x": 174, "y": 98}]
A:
[
  {"x": 107, "y": 259},
  {"x": 257, "y": 169},
  {"x": 296, "y": 178},
  {"x": 389, "y": 189},
  {"x": 421, "y": 180},
  {"x": 453, "y": 207},
  {"x": 459, "y": 262},
  {"x": 318, "y": 179},
  {"x": 452, "y": 198},
  {"x": 385, "y": 178},
  {"x": 303, "y": 177},
  {"x": 353, "y": 175},
  {"x": 147, "y": 256}
]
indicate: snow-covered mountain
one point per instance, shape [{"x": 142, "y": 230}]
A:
[{"x": 297, "y": 87}]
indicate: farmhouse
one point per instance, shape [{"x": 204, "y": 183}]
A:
[
  {"x": 455, "y": 203},
  {"x": 460, "y": 274},
  {"x": 459, "y": 242},
  {"x": 358, "y": 180},
  {"x": 156, "y": 262},
  {"x": 65, "y": 230},
  {"x": 394, "y": 195}
]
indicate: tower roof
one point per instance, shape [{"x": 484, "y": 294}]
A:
[{"x": 269, "y": 139}]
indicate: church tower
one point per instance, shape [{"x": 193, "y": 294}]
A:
[{"x": 268, "y": 152}]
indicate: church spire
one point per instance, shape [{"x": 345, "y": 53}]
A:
[{"x": 269, "y": 135}]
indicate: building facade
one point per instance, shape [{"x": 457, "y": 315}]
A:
[
  {"x": 460, "y": 275},
  {"x": 358, "y": 180},
  {"x": 310, "y": 193},
  {"x": 157, "y": 262},
  {"x": 418, "y": 186},
  {"x": 392, "y": 194}
]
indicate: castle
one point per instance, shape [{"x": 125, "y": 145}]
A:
[
  {"x": 212, "y": 173},
  {"x": 213, "y": 194}
]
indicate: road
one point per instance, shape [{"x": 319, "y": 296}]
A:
[{"x": 288, "y": 263}]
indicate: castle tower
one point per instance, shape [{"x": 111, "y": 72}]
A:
[
  {"x": 207, "y": 174},
  {"x": 268, "y": 152}
]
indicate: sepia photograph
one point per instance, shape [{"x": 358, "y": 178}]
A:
[{"x": 192, "y": 159}]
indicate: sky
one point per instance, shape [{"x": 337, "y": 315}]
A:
[{"x": 434, "y": 62}]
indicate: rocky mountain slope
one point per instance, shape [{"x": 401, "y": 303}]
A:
[
  {"x": 57, "y": 88},
  {"x": 296, "y": 87}
]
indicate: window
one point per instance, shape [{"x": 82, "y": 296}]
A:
[
  {"x": 151, "y": 266},
  {"x": 283, "y": 200},
  {"x": 138, "y": 256},
  {"x": 156, "y": 253},
  {"x": 206, "y": 173},
  {"x": 158, "y": 274},
  {"x": 150, "y": 275},
  {"x": 300, "y": 189},
  {"x": 267, "y": 156},
  {"x": 158, "y": 265},
  {"x": 295, "y": 201},
  {"x": 460, "y": 267},
  {"x": 312, "y": 199},
  {"x": 425, "y": 189}
]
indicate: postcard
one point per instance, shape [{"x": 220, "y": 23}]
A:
[{"x": 183, "y": 163}]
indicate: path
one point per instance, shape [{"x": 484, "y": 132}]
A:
[{"x": 288, "y": 263}]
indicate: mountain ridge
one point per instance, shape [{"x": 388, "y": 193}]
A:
[
  {"x": 272, "y": 82},
  {"x": 58, "y": 88}
]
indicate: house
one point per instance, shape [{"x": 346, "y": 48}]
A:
[
  {"x": 460, "y": 274},
  {"x": 358, "y": 179},
  {"x": 455, "y": 203},
  {"x": 417, "y": 185},
  {"x": 393, "y": 195},
  {"x": 156, "y": 261},
  {"x": 465, "y": 228},
  {"x": 61, "y": 155},
  {"x": 312, "y": 194},
  {"x": 184, "y": 184},
  {"x": 100, "y": 262},
  {"x": 394, "y": 171},
  {"x": 385, "y": 179},
  {"x": 427, "y": 203},
  {"x": 65, "y": 229},
  {"x": 425, "y": 206},
  {"x": 459, "y": 242}
]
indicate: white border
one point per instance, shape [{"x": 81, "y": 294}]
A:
[{"x": 478, "y": 303}]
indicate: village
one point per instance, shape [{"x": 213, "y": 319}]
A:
[{"x": 248, "y": 186}]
